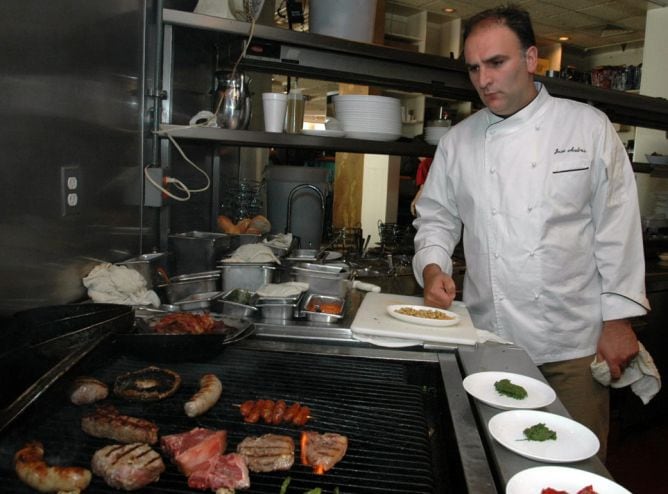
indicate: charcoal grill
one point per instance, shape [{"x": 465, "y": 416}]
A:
[{"x": 394, "y": 413}]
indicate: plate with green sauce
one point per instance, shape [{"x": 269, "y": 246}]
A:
[
  {"x": 509, "y": 391},
  {"x": 565, "y": 439}
]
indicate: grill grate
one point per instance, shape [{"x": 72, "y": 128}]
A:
[{"x": 372, "y": 402}]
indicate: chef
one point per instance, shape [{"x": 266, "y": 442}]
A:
[{"x": 552, "y": 236}]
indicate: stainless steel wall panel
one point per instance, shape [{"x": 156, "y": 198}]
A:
[{"x": 72, "y": 95}]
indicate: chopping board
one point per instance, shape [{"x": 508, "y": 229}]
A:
[{"x": 372, "y": 323}]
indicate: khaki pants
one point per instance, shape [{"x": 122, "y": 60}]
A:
[{"x": 586, "y": 400}]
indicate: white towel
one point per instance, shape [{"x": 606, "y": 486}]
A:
[
  {"x": 641, "y": 374},
  {"x": 110, "y": 284}
]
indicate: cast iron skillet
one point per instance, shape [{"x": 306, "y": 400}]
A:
[{"x": 146, "y": 344}]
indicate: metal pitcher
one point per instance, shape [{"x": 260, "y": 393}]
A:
[{"x": 235, "y": 109}]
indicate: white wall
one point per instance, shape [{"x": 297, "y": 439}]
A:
[
  {"x": 380, "y": 193},
  {"x": 654, "y": 82}
]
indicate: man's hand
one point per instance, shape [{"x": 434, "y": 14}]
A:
[
  {"x": 439, "y": 288},
  {"x": 617, "y": 345}
]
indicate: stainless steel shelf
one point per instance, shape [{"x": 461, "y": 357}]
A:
[
  {"x": 282, "y": 51},
  {"x": 250, "y": 138}
]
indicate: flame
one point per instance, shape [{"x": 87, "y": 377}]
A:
[{"x": 304, "y": 444}]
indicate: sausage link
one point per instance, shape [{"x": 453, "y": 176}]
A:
[
  {"x": 267, "y": 411},
  {"x": 209, "y": 393},
  {"x": 247, "y": 407},
  {"x": 291, "y": 412},
  {"x": 279, "y": 411},
  {"x": 33, "y": 471},
  {"x": 302, "y": 417}
]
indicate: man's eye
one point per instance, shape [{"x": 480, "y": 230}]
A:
[
  {"x": 473, "y": 68},
  {"x": 497, "y": 63}
]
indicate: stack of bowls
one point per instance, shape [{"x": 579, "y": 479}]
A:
[
  {"x": 375, "y": 118},
  {"x": 436, "y": 129}
]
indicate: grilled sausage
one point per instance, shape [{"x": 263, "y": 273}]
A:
[
  {"x": 33, "y": 470},
  {"x": 209, "y": 393},
  {"x": 274, "y": 412}
]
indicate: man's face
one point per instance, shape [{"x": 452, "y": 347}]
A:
[{"x": 500, "y": 70}]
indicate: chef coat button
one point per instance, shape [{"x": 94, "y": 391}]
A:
[
  {"x": 532, "y": 253},
  {"x": 530, "y": 208},
  {"x": 493, "y": 170},
  {"x": 501, "y": 297},
  {"x": 493, "y": 211},
  {"x": 533, "y": 164},
  {"x": 535, "y": 296},
  {"x": 496, "y": 255},
  {"x": 537, "y": 127}
]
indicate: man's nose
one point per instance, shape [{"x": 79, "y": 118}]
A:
[{"x": 484, "y": 77}]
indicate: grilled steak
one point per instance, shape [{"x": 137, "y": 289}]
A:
[
  {"x": 322, "y": 451},
  {"x": 268, "y": 453},
  {"x": 129, "y": 466},
  {"x": 192, "y": 448},
  {"x": 149, "y": 384},
  {"x": 86, "y": 390},
  {"x": 107, "y": 422},
  {"x": 221, "y": 471}
]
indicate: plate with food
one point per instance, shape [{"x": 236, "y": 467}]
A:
[
  {"x": 543, "y": 436},
  {"x": 508, "y": 391},
  {"x": 559, "y": 480},
  {"x": 423, "y": 315}
]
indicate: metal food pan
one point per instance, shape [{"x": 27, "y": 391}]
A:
[
  {"x": 198, "y": 301},
  {"x": 230, "y": 304},
  {"x": 246, "y": 275},
  {"x": 320, "y": 316},
  {"x": 181, "y": 287}
]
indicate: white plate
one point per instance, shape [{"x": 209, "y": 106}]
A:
[
  {"x": 323, "y": 133},
  {"x": 574, "y": 441},
  {"x": 534, "y": 480},
  {"x": 481, "y": 386},
  {"x": 423, "y": 321}
]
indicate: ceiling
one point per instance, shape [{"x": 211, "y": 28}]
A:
[{"x": 589, "y": 24}]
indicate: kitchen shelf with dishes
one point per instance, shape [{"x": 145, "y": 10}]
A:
[
  {"x": 282, "y": 51},
  {"x": 251, "y": 138}
]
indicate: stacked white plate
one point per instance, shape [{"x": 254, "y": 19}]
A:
[
  {"x": 375, "y": 118},
  {"x": 433, "y": 134}
]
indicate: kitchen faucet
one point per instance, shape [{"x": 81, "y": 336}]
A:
[{"x": 288, "y": 221}]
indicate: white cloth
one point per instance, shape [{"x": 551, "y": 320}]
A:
[
  {"x": 641, "y": 374},
  {"x": 282, "y": 290},
  {"x": 110, "y": 284},
  {"x": 552, "y": 231},
  {"x": 280, "y": 241},
  {"x": 253, "y": 253}
]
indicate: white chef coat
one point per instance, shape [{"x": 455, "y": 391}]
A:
[{"x": 552, "y": 230}]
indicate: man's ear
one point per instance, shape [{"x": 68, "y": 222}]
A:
[{"x": 532, "y": 59}]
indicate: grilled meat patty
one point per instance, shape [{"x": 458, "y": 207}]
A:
[
  {"x": 268, "y": 453},
  {"x": 107, "y": 422},
  {"x": 322, "y": 451},
  {"x": 128, "y": 467}
]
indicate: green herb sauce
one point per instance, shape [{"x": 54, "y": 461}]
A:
[
  {"x": 539, "y": 432},
  {"x": 507, "y": 388}
]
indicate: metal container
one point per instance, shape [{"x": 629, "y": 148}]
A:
[
  {"x": 237, "y": 303},
  {"x": 313, "y": 312},
  {"x": 198, "y": 301},
  {"x": 197, "y": 251},
  {"x": 324, "y": 279},
  {"x": 246, "y": 275},
  {"x": 150, "y": 266},
  {"x": 181, "y": 287},
  {"x": 278, "y": 310}
]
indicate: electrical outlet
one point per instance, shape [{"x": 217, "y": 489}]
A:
[{"x": 70, "y": 189}]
